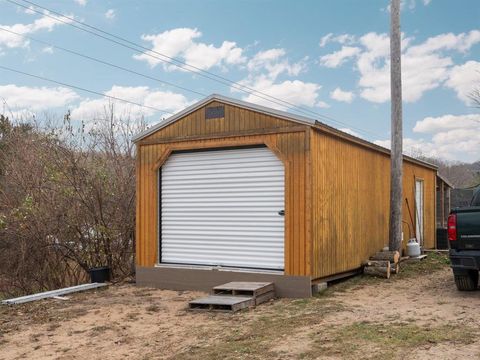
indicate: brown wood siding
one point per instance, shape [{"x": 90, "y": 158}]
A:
[
  {"x": 235, "y": 120},
  {"x": 289, "y": 143},
  {"x": 350, "y": 203},
  {"x": 336, "y": 190}
]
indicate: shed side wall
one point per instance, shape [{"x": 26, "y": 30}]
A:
[
  {"x": 290, "y": 145},
  {"x": 350, "y": 203}
]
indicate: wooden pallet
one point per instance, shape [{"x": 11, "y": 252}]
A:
[
  {"x": 222, "y": 303},
  {"x": 259, "y": 291},
  {"x": 235, "y": 296},
  {"x": 244, "y": 288}
]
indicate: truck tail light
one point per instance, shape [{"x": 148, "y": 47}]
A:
[{"x": 452, "y": 227}]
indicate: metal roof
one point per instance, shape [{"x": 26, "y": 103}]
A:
[
  {"x": 449, "y": 184},
  {"x": 273, "y": 112}
]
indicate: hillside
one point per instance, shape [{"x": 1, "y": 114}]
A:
[{"x": 461, "y": 175}]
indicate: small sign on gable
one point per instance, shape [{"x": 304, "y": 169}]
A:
[{"x": 214, "y": 112}]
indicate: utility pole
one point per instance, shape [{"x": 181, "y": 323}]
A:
[{"x": 396, "y": 173}]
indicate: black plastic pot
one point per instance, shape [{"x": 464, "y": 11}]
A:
[{"x": 100, "y": 274}]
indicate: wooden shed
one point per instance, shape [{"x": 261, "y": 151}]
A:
[{"x": 232, "y": 191}]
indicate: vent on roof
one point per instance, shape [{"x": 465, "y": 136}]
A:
[{"x": 214, "y": 112}]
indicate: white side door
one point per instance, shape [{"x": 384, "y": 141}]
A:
[{"x": 419, "y": 209}]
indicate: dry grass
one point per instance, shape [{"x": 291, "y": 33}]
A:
[
  {"x": 386, "y": 340},
  {"x": 248, "y": 336},
  {"x": 355, "y": 318}
]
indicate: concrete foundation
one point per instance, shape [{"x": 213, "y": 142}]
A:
[{"x": 178, "y": 278}]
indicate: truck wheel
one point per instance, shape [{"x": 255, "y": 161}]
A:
[{"x": 467, "y": 282}]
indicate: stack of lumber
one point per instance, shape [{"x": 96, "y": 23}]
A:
[{"x": 383, "y": 264}]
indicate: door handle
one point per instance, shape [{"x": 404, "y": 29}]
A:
[{"x": 281, "y": 213}]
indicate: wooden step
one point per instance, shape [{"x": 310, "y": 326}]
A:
[
  {"x": 264, "y": 297},
  {"x": 246, "y": 288},
  {"x": 235, "y": 296},
  {"x": 222, "y": 303}
]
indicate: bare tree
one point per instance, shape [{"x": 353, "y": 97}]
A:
[{"x": 67, "y": 200}]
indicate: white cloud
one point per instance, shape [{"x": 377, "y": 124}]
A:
[
  {"x": 410, "y": 4},
  {"x": 322, "y": 105},
  {"x": 340, "y": 39},
  {"x": 110, "y": 14},
  {"x": 81, "y": 2},
  {"x": 22, "y": 98},
  {"x": 350, "y": 131},
  {"x": 47, "y": 50},
  {"x": 265, "y": 67},
  {"x": 275, "y": 63},
  {"x": 343, "y": 96},
  {"x": 325, "y": 39},
  {"x": 337, "y": 58},
  {"x": 181, "y": 43},
  {"x": 464, "y": 79},
  {"x": 461, "y": 42},
  {"x": 293, "y": 91},
  {"x": 448, "y": 122},
  {"x": 425, "y": 66},
  {"x": 452, "y": 137},
  {"x": 30, "y": 10},
  {"x": 10, "y": 40},
  {"x": 163, "y": 100}
]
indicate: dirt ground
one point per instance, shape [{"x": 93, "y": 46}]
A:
[{"x": 417, "y": 314}]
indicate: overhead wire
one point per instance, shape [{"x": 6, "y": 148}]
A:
[
  {"x": 171, "y": 60},
  {"x": 104, "y": 62},
  {"x": 147, "y": 52},
  {"x": 176, "y": 62},
  {"x": 84, "y": 89}
]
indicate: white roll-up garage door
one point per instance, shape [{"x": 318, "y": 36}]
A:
[{"x": 222, "y": 208}]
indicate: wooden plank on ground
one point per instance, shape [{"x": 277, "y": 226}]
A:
[{"x": 416, "y": 258}]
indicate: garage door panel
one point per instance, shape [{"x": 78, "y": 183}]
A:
[
  {"x": 180, "y": 216},
  {"x": 220, "y": 185},
  {"x": 201, "y": 166},
  {"x": 251, "y": 263},
  {"x": 186, "y": 193},
  {"x": 234, "y": 175},
  {"x": 229, "y": 224},
  {"x": 221, "y": 208}
]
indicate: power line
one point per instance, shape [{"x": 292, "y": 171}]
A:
[
  {"x": 202, "y": 73},
  {"x": 83, "y": 89},
  {"x": 180, "y": 64},
  {"x": 104, "y": 62},
  {"x": 171, "y": 60}
]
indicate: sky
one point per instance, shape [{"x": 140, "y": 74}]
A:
[{"x": 328, "y": 60}]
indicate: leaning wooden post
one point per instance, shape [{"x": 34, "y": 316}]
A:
[{"x": 396, "y": 193}]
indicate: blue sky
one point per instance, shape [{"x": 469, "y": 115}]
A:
[{"x": 330, "y": 57}]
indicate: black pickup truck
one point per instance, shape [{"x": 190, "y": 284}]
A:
[{"x": 464, "y": 240}]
